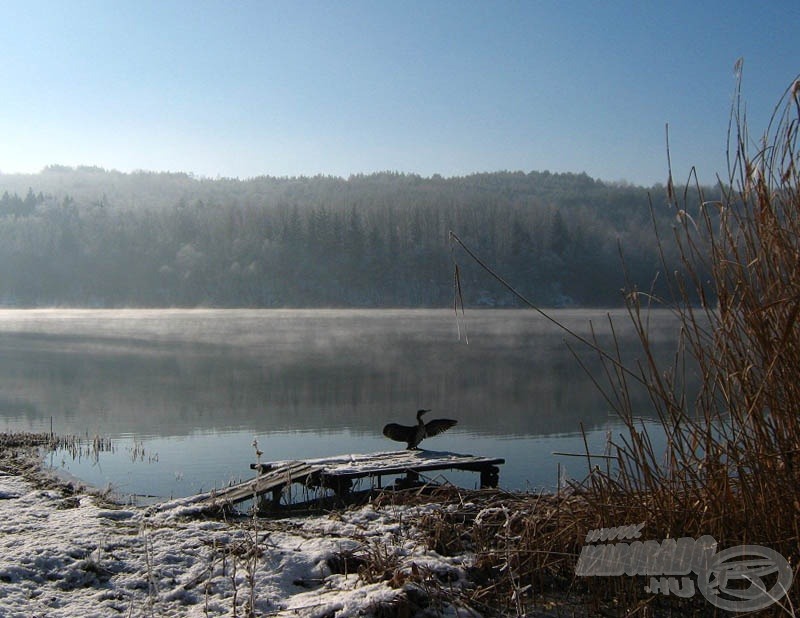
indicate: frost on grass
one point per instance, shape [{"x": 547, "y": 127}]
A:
[{"x": 68, "y": 556}]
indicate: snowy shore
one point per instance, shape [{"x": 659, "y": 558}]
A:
[{"x": 65, "y": 552}]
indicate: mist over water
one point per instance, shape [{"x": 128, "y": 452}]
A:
[{"x": 192, "y": 388}]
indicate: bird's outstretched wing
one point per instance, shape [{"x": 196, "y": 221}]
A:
[
  {"x": 437, "y": 425},
  {"x": 400, "y": 433}
]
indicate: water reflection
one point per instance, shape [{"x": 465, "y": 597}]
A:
[{"x": 336, "y": 375}]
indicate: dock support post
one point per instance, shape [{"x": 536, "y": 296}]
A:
[{"x": 490, "y": 476}]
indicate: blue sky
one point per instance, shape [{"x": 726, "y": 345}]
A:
[{"x": 240, "y": 89}]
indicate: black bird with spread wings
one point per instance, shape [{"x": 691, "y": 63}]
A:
[{"x": 414, "y": 434}]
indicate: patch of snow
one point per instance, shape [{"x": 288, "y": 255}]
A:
[{"x": 73, "y": 557}]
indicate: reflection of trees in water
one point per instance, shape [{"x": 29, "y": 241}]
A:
[{"x": 510, "y": 380}]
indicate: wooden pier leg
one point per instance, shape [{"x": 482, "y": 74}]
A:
[
  {"x": 342, "y": 487},
  {"x": 277, "y": 492},
  {"x": 490, "y": 476},
  {"x": 411, "y": 480}
]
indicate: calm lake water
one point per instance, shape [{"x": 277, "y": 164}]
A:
[{"x": 183, "y": 393}]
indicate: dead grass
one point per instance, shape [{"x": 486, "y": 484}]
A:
[
  {"x": 731, "y": 466},
  {"x": 524, "y": 545}
]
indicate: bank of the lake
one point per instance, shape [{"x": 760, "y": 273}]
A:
[{"x": 67, "y": 551}]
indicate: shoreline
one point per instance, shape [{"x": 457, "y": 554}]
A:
[{"x": 68, "y": 550}]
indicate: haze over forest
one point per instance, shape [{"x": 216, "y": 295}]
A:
[{"x": 91, "y": 237}]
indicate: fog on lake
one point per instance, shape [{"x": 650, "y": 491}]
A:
[{"x": 185, "y": 392}]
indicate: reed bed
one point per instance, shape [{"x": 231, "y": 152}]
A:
[
  {"x": 16, "y": 448},
  {"x": 19, "y": 439},
  {"x": 731, "y": 465},
  {"x": 77, "y": 446},
  {"x": 731, "y": 468}
]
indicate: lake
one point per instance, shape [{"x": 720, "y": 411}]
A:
[{"x": 182, "y": 394}]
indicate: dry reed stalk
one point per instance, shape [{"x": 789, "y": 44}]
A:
[{"x": 731, "y": 466}]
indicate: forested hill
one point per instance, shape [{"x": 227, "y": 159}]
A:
[{"x": 91, "y": 237}]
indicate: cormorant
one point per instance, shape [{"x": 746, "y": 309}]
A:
[{"x": 415, "y": 434}]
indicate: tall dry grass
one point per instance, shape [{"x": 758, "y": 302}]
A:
[
  {"x": 731, "y": 468},
  {"x": 723, "y": 458}
]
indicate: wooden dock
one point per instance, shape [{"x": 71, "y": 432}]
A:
[{"x": 339, "y": 473}]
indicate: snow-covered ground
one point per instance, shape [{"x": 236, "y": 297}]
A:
[{"x": 74, "y": 555}]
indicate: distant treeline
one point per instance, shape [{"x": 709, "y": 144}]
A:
[{"x": 91, "y": 237}]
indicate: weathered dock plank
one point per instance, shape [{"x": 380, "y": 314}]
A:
[
  {"x": 338, "y": 473},
  {"x": 276, "y": 478}
]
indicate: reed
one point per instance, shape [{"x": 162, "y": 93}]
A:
[
  {"x": 731, "y": 465},
  {"x": 731, "y": 468}
]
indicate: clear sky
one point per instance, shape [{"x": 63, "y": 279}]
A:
[{"x": 240, "y": 89}]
